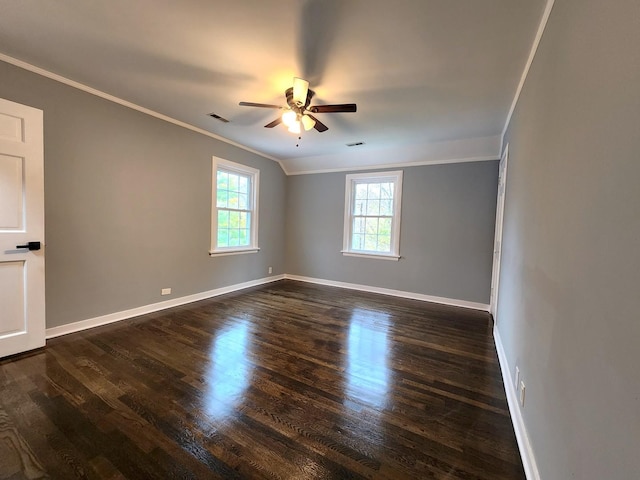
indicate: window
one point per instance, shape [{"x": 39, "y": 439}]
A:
[
  {"x": 234, "y": 212},
  {"x": 372, "y": 214}
]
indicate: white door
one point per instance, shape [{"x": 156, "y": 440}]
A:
[
  {"x": 497, "y": 245},
  {"x": 22, "y": 322}
]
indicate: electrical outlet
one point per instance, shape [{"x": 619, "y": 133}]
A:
[
  {"x": 165, "y": 291},
  {"x": 522, "y": 394},
  {"x": 517, "y": 377},
  {"x": 270, "y": 270}
]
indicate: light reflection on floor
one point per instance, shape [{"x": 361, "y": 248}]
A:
[
  {"x": 229, "y": 372},
  {"x": 368, "y": 352}
]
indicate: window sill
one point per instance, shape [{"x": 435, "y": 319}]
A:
[
  {"x": 235, "y": 251},
  {"x": 377, "y": 256}
]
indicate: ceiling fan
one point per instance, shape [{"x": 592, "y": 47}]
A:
[{"x": 298, "y": 113}]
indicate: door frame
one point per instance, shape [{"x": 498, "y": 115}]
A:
[{"x": 497, "y": 240}]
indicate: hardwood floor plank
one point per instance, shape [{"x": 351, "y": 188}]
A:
[{"x": 286, "y": 380}]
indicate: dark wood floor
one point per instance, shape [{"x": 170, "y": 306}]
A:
[{"x": 288, "y": 380}]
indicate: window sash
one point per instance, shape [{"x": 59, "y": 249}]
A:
[{"x": 366, "y": 235}]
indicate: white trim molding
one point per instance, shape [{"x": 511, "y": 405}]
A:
[
  {"x": 394, "y": 293},
  {"x": 376, "y": 158},
  {"x": 125, "y": 103},
  {"x": 393, "y": 258},
  {"x": 524, "y": 444},
  {"x": 154, "y": 307}
]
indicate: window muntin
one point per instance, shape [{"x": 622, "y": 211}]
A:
[
  {"x": 372, "y": 214},
  {"x": 234, "y": 216}
]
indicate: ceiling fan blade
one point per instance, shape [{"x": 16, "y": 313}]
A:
[
  {"x": 277, "y": 121},
  {"x": 300, "y": 90},
  {"x": 342, "y": 108},
  {"x": 319, "y": 126},
  {"x": 261, "y": 105}
]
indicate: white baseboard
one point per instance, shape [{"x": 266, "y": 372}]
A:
[
  {"x": 526, "y": 451},
  {"x": 154, "y": 307},
  {"x": 394, "y": 293}
]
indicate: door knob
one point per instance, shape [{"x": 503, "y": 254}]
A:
[{"x": 30, "y": 246}]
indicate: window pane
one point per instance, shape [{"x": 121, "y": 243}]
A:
[
  {"x": 371, "y": 242},
  {"x": 357, "y": 241},
  {"x": 373, "y": 207},
  {"x": 386, "y": 191},
  {"x": 384, "y": 243},
  {"x": 371, "y": 226},
  {"x": 223, "y": 218},
  {"x": 223, "y": 180},
  {"x": 384, "y": 227},
  {"x": 234, "y": 219},
  {"x": 374, "y": 191},
  {"x": 222, "y": 198},
  {"x": 242, "y": 220},
  {"x": 233, "y": 237},
  {"x": 242, "y": 201},
  {"x": 244, "y": 237},
  {"x": 243, "y": 184},
  {"x": 358, "y": 225},
  {"x": 386, "y": 207},
  {"x": 359, "y": 207},
  {"x": 233, "y": 182},
  {"x": 223, "y": 237},
  {"x": 361, "y": 191},
  {"x": 233, "y": 200}
]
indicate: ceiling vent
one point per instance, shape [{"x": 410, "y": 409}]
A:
[
  {"x": 355, "y": 144},
  {"x": 218, "y": 117}
]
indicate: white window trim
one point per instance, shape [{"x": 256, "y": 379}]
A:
[
  {"x": 254, "y": 173},
  {"x": 351, "y": 179}
]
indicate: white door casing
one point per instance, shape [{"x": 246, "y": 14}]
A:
[
  {"x": 497, "y": 243},
  {"x": 22, "y": 300}
]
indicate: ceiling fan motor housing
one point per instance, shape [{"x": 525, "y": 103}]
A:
[{"x": 292, "y": 103}]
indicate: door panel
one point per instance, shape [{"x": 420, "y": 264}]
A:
[
  {"x": 22, "y": 308},
  {"x": 12, "y": 298},
  {"x": 12, "y": 191},
  {"x": 11, "y": 127}
]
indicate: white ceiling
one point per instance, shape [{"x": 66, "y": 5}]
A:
[{"x": 433, "y": 79}]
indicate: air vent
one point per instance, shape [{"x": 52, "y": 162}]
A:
[
  {"x": 218, "y": 117},
  {"x": 355, "y": 144}
]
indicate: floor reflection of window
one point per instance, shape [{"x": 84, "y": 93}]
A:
[
  {"x": 229, "y": 371},
  {"x": 368, "y": 357}
]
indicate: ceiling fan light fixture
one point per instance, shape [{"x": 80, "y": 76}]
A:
[
  {"x": 307, "y": 122},
  {"x": 289, "y": 118},
  {"x": 295, "y": 127},
  {"x": 300, "y": 90}
]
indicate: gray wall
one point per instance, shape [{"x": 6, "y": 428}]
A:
[
  {"x": 127, "y": 204},
  {"x": 446, "y": 237},
  {"x": 569, "y": 306}
]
